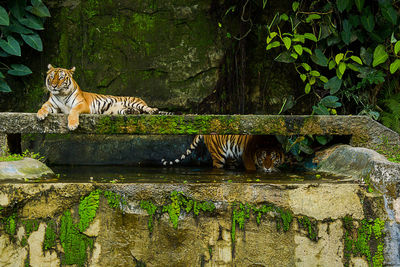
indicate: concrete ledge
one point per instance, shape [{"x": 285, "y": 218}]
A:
[{"x": 363, "y": 130}]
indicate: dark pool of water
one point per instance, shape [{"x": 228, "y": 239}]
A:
[{"x": 128, "y": 174}]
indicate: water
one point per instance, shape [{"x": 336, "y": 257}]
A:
[{"x": 130, "y": 174}]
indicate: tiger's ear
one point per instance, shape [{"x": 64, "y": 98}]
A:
[
  {"x": 50, "y": 67},
  {"x": 72, "y": 70}
]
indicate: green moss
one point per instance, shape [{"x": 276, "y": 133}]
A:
[
  {"x": 239, "y": 216},
  {"x": 87, "y": 209},
  {"x": 178, "y": 202},
  {"x": 10, "y": 224},
  {"x": 309, "y": 226},
  {"x": 366, "y": 240},
  {"x": 50, "y": 236},
  {"x": 74, "y": 243},
  {"x": 114, "y": 200},
  {"x": 30, "y": 226},
  {"x": 241, "y": 213}
]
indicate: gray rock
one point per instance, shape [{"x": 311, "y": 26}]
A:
[{"x": 26, "y": 168}]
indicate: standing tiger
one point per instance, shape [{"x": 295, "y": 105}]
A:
[
  {"x": 67, "y": 97},
  {"x": 254, "y": 151}
]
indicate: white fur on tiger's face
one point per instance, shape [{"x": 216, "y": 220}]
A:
[
  {"x": 59, "y": 81},
  {"x": 268, "y": 160}
]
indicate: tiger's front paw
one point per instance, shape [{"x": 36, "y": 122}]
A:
[
  {"x": 73, "y": 124},
  {"x": 42, "y": 114}
]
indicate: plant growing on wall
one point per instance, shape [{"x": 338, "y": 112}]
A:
[{"x": 20, "y": 22}]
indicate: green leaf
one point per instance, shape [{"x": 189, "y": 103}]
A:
[
  {"x": 18, "y": 28},
  {"x": 273, "y": 45},
  {"x": 308, "y": 50},
  {"x": 306, "y": 66},
  {"x": 310, "y": 36},
  {"x": 390, "y": 14},
  {"x": 339, "y": 58},
  {"x": 323, "y": 79},
  {"x": 295, "y": 6},
  {"x": 331, "y": 64},
  {"x": 395, "y": 66},
  {"x": 319, "y": 58},
  {"x": 368, "y": 21},
  {"x": 17, "y": 8},
  {"x": 284, "y": 17},
  {"x": 298, "y": 49},
  {"x": 352, "y": 67},
  {"x": 38, "y": 8},
  {"x": 315, "y": 73},
  {"x": 330, "y": 102},
  {"x": 312, "y": 17},
  {"x": 33, "y": 40},
  {"x": 32, "y": 22},
  {"x": 1, "y": 75},
  {"x": 397, "y": 47},
  {"x": 294, "y": 55},
  {"x": 356, "y": 59},
  {"x": 333, "y": 85},
  {"x": 19, "y": 70},
  {"x": 11, "y": 46},
  {"x": 366, "y": 55},
  {"x": 303, "y": 77},
  {"x": 359, "y": 4},
  {"x": 271, "y": 36},
  {"x": 307, "y": 89},
  {"x": 342, "y": 4},
  {"x": 299, "y": 38},
  {"x": 346, "y": 33},
  {"x": 323, "y": 140},
  {"x": 285, "y": 57},
  {"x": 4, "y": 19},
  {"x": 320, "y": 110},
  {"x": 4, "y": 86},
  {"x": 380, "y": 55},
  {"x": 287, "y": 42},
  {"x": 338, "y": 74},
  {"x": 312, "y": 80},
  {"x": 342, "y": 67}
]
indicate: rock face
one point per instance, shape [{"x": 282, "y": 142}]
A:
[
  {"x": 128, "y": 224},
  {"x": 166, "y": 52},
  {"x": 26, "y": 168}
]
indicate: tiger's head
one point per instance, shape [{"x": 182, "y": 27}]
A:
[
  {"x": 59, "y": 81},
  {"x": 269, "y": 159}
]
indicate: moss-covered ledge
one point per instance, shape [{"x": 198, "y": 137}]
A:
[{"x": 363, "y": 130}]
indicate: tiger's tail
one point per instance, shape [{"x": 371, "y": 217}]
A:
[
  {"x": 165, "y": 113},
  {"x": 197, "y": 139}
]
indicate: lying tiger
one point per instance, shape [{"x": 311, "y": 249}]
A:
[
  {"x": 67, "y": 97},
  {"x": 254, "y": 151}
]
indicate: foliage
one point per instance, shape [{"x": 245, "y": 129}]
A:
[
  {"x": 20, "y": 22},
  {"x": 25, "y": 154},
  {"x": 178, "y": 203},
  {"x": 366, "y": 240},
  {"x": 342, "y": 50}
]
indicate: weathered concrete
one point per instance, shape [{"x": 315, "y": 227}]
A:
[
  {"x": 123, "y": 238},
  {"x": 363, "y": 130},
  {"x": 26, "y": 168}
]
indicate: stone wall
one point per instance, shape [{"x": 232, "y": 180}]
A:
[{"x": 105, "y": 224}]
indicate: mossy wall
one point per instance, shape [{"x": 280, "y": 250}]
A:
[{"x": 171, "y": 53}]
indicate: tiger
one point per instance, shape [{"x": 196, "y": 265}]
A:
[
  {"x": 254, "y": 151},
  {"x": 67, "y": 97}
]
